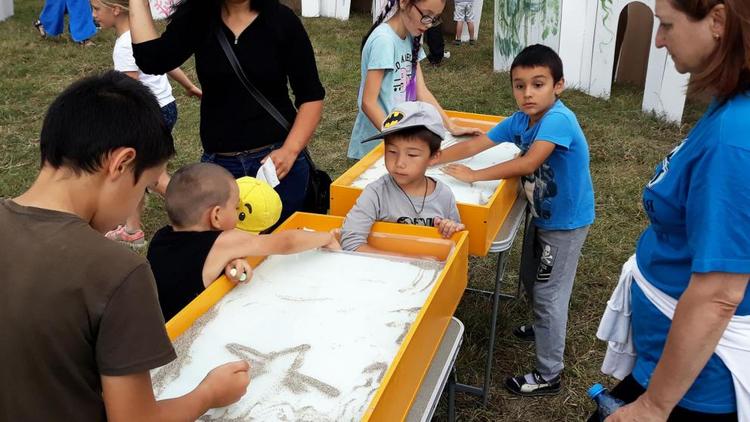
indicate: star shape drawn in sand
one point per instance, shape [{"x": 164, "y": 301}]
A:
[{"x": 288, "y": 362}]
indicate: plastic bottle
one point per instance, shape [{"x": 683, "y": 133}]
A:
[{"x": 606, "y": 403}]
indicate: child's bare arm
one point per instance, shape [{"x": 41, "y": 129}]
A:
[
  {"x": 233, "y": 244},
  {"x": 181, "y": 78},
  {"x": 521, "y": 166},
  {"x": 465, "y": 149},
  {"x": 131, "y": 397},
  {"x": 370, "y": 94}
]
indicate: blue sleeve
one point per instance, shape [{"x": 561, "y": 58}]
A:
[
  {"x": 380, "y": 52},
  {"x": 718, "y": 210},
  {"x": 503, "y": 131},
  {"x": 555, "y": 128}
]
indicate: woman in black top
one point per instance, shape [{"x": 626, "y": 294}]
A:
[{"x": 272, "y": 47}]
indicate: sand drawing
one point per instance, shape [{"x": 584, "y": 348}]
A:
[
  {"x": 319, "y": 330},
  {"x": 477, "y": 193}
]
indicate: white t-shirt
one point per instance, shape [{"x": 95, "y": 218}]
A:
[{"x": 124, "y": 61}]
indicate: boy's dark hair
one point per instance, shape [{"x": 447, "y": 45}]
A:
[
  {"x": 98, "y": 114},
  {"x": 419, "y": 133},
  {"x": 195, "y": 188},
  {"x": 538, "y": 55}
]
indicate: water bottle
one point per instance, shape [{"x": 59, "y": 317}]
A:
[{"x": 606, "y": 403}]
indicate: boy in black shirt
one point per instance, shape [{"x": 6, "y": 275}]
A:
[{"x": 187, "y": 256}]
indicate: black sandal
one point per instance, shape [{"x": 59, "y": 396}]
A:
[{"x": 39, "y": 27}]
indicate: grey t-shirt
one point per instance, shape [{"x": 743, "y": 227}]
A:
[{"x": 383, "y": 200}]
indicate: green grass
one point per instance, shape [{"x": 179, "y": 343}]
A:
[{"x": 625, "y": 146}]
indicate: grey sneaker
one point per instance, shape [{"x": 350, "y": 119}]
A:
[{"x": 456, "y": 42}]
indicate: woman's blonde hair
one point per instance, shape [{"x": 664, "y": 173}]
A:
[{"x": 122, "y": 4}]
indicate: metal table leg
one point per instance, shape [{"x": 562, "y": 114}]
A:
[{"x": 483, "y": 392}]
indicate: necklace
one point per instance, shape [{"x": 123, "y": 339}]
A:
[{"x": 424, "y": 196}]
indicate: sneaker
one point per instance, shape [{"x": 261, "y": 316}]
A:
[
  {"x": 472, "y": 42},
  {"x": 456, "y": 42},
  {"x": 39, "y": 27},
  {"x": 524, "y": 332},
  {"x": 120, "y": 234},
  {"x": 533, "y": 384}
]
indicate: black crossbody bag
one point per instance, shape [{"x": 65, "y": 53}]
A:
[{"x": 319, "y": 184}]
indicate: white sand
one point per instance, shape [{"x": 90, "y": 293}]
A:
[
  {"x": 318, "y": 328},
  {"x": 477, "y": 193}
]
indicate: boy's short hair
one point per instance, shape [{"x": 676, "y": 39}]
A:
[
  {"x": 98, "y": 114},
  {"x": 195, "y": 188},
  {"x": 419, "y": 133},
  {"x": 538, "y": 55}
]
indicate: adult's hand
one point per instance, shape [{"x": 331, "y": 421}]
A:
[
  {"x": 641, "y": 410},
  {"x": 283, "y": 158}
]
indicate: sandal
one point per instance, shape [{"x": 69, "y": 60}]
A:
[
  {"x": 86, "y": 43},
  {"x": 39, "y": 27}
]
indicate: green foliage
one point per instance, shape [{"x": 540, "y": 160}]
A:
[{"x": 513, "y": 17}]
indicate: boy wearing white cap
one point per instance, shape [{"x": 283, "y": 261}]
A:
[{"x": 412, "y": 133}]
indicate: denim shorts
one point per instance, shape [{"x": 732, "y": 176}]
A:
[
  {"x": 169, "y": 112},
  {"x": 293, "y": 187}
]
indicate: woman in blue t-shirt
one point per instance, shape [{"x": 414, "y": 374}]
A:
[{"x": 696, "y": 251}]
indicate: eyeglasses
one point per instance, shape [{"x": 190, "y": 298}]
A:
[{"x": 428, "y": 20}]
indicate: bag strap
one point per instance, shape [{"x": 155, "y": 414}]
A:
[
  {"x": 254, "y": 92},
  {"x": 259, "y": 97}
]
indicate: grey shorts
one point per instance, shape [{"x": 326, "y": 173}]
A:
[{"x": 464, "y": 11}]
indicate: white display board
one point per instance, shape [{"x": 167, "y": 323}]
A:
[
  {"x": 477, "y": 193},
  {"x": 584, "y": 33},
  {"x": 338, "y": 9},
  {"x": 6, "y": 9},
  {"x": 319, "y": 330}
]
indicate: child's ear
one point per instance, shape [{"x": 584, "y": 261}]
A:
[
  {"x": 215, "y": 217},
  {"x": 435, "y": 157},
  {"x": 559, "y": 87},
  {"x": 119, "y": 161}
]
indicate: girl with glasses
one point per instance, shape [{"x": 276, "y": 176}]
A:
[{"x": 390, "y": 69}]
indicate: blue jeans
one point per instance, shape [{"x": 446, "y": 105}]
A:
[{"x": 293, "y": 187}]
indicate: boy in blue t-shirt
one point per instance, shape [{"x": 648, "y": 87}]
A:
[{"x": 554, "y": 166}]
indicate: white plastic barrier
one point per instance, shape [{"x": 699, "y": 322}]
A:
[
  {"x": 584, "y": 33},
  {"x": 6, "y": 9}
]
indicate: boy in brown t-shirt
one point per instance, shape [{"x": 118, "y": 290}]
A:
[{"x": 79, "y": 317}]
